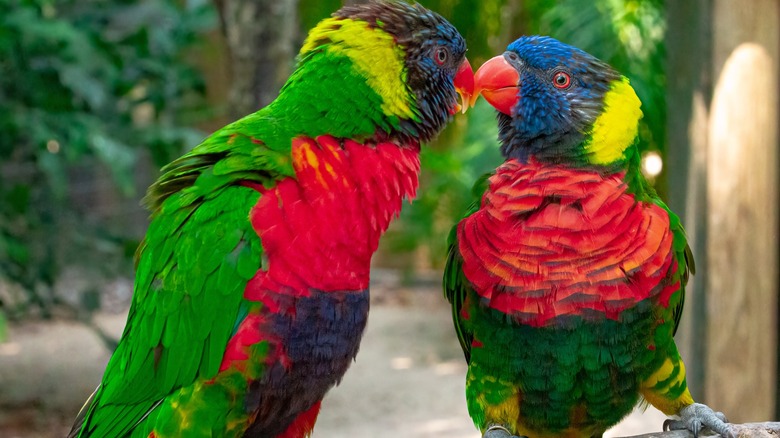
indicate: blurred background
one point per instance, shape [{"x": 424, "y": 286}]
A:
[{"x": 97, "y": 95}]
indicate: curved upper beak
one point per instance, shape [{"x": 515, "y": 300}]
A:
[
  {"x": 464, "y": 85},
  {"x": 499, "y": 83}
]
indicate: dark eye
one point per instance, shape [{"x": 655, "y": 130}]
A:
[
  {"x": 561, "y": 80},
  {"x": 442, "y": 55}
]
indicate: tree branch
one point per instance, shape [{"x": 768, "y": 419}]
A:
[{"x": 745, "y": 430}]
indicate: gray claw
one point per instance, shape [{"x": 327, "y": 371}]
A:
[
  {"x": 497, "y": 431},
  {"x": 695, "y": 416}
]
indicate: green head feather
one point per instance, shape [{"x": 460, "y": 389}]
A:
[{"x": 371, "y": 71}]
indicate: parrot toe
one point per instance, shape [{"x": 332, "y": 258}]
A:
[
  {"x": 498, "y": 432},
  {"x": 696, "y": 416}
]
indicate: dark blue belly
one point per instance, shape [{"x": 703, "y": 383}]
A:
[{"x": 321, "y": 335}]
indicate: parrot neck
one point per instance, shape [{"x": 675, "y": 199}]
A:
[
  {"x": 343, "y": 89},
  {"x": 373, "y": 54},
  {"x": 612, "y": 139},
  {"x": 606, "y": 141}
]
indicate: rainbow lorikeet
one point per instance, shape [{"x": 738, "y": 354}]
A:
[
  {"x": 251, "y": 289},
  {"x": 567, "y": 277}
]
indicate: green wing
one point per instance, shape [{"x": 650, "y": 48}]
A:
[
  {"x": 682, "y": 251},
  {"x": 685, "y": 263},
  {"x": 456, "y": 287},
  {"x": 200, "y": 250}
]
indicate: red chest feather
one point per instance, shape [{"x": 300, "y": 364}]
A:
[
  {"x": 551, "y": 241},
  {"x": 319, "y": 230}
]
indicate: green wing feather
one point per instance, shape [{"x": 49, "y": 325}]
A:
[
  {"x": 684, "y": 258},
  {"x": 456, "y": 286},
  {"x": 683, "y": 255},
  {"x": 200, "y": 250},
  {"x": 455, "y": 290}
]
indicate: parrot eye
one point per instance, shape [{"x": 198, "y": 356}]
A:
[
  {"x": 561, "y": 80},
  {"x": 442, "y": 54}
]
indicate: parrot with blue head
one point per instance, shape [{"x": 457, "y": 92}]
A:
[{"x": 567, "y": 276}]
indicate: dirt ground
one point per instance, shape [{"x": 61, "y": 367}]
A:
[{"x": 407, "y": 381}]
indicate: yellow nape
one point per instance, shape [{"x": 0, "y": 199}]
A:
[
  {"x": 616, "y": 128},
  {"x": 375, "y": 56}
]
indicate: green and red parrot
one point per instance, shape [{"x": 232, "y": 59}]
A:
[
  {"x": 567, "y": 277},
  {"x": 251, "y": 288}
]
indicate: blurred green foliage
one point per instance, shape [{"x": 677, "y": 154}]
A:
[
  {"x": 84, "y": 83},
  {"x": 464, "y": 152}
]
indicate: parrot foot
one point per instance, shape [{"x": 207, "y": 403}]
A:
[
  {"x": 496, "y": 431},
  {"x": 696, "y": 416}
]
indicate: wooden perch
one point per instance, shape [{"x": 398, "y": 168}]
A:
[{"x": 746, "y": 430}]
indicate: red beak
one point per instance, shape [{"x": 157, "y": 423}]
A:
[
  {"x": 499, "y": 83},
  {"x": 464, "y": 85}
]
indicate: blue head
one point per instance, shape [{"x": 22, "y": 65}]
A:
[{"x": 559, "y": 104}]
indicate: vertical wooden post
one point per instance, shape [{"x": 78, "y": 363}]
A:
[
  {"x": 688, "y": 98},
  {"x": 742, "y": 238}
]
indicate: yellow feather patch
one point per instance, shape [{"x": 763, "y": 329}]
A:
[
  {"x": 375, "y": 55},
  {"x": 616, "y": 128},
  {"x": 659, "y": 397},
  {"x": 662, "y": 373},
  {"x": 304, "y": 157},
  {"x": 506, "y": 412},
  {"x": 665, "y": 405}
]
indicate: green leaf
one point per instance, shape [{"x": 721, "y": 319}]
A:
[
  {"x": 119, "y": 157},
  {"x": 18, "y": 199},
  {"x": 84, "y": 86},
  {"x": 3, "y": 327}
]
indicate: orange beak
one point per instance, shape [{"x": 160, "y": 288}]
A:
[
  {"x": 464, "y": 85},
  {"x": 499, "y": 83}
]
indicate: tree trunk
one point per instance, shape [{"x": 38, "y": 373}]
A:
[{"x": 261, "y": 37}]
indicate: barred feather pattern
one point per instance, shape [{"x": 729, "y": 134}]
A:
[{"x": 551, "y": 241}]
